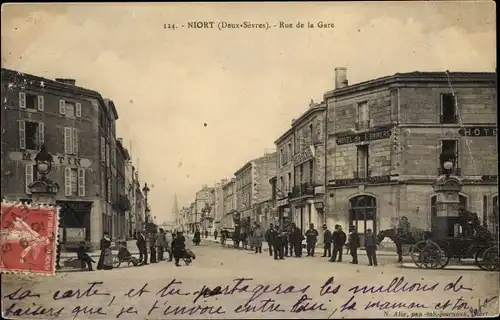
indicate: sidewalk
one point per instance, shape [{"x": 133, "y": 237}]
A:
[
  {"x": 131, "y": 246},
  {"x": 319, "y": 248}
]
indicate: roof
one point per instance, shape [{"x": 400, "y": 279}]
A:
[
  {"x": 240, "y": 170},
  {"x": 416, "y": 76},
  {"x": 315, "y": 108},
  {"x": 285, "y": 135},
  {"x": 49, "y": 83}
]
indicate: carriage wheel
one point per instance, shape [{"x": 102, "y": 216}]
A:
[
  {"x": 429, "y": 255},
  {"x": 490, "y": 259},
  {"x": 116, "y": 262},
  {"x": 479, "y": 259},
  {"x": 416, "y": 253}
]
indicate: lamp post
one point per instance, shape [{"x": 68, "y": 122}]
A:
[
  {"x": 145, "y": 190},
  {"x": 42, "y": 189},
  {"x": 206, "y": 214}
]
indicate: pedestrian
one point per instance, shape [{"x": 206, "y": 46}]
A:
[
  {"x": 152, "y": 247},
  {"x": 206, "y": 234},
  {"x": 258, "y": 237},
  {"x": 215, "y": 234},
  {"x": 286, "y": 241},
  {"x": 58, "y": 251},
  {"x": 83, "y": 256},
  {"x": 311, "y": 239},
  {"x": 279, "y": 244},
  {"x": 106, "y": 257},
  {"x": 236, "y": 237},
  {"x": 174, "y": 235},
  {"x": 161, "y": 242},
  {"x": 179, "y": 246},
  {"x": 196, "y": 237},
  {"x": 371, "y": 247},
  {"x": 291, "y": 240},
  {"x": 354, "y": 244},
  {"x": 297, "y": 237},
  {"x": 244, "y": 239},
  {"x": 339, "y": 239},
  {"x": 267, "y": 237},
  {"x": 327, "y": 242},
  {"x": 142, "y": 246}
]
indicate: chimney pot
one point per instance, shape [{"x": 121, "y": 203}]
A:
[
  {"x": 66, "y": 81},
  {"x": 340, "y": 77}
]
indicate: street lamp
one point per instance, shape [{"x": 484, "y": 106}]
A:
[
  {"x": 43, "y": 161},
  {"x": 145, "y": 190},
  {"x": 43, "y": 190}
]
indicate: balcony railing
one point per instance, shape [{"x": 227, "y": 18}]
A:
[
  {"x": 362, "y": 125},
  {"x": 303, "y": 189},
  {"x": 361, "y": 174},
  {"x": 455, "y": 171},
  {"x": 448, "y": 119}
]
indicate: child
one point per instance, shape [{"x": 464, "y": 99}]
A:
[
  {"x": 84, "y": 257},
  {"x": 125, "y": 255}
]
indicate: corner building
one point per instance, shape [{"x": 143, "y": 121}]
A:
[
  {"x": 66, "y": 118},
  {"x": 385, "y": 137}
]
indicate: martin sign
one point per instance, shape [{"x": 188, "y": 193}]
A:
[{"x": 303, "y": 156}]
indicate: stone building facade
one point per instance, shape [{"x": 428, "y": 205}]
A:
[
  {"x": 68, "y": 120},
  {"x": 301, "y": 170},
  {"x": 385, "y": 137}
]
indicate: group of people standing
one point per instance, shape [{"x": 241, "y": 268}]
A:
[{"x": 284, "y": 242}]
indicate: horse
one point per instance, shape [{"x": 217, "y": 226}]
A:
[{"x": 411, "y": 237}]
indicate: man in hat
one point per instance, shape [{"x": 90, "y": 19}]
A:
[
  {"x": 311, "y": 239},
  {"x": 371, "y": 247},
  {"x": 339, "y": 239},
  {"x": 327, "y": 242},
  {"x": 142, "y": 246},
  {"x": 354, "y": 244}
]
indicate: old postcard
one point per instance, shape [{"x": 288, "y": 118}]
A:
[{"x": 307, "y": 160}]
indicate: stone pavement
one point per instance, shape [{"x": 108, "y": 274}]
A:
[
  {"x": 266, "y": 284},
  {"x": 318, "y": 251}
]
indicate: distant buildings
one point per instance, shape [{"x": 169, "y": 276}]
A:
[{"x": 77, "y": 126}]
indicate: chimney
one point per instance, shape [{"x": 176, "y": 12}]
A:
[
  {"x": 66, "y": 81},
  {"x": 340, "y": 78}
]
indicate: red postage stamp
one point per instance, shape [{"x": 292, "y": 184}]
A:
[{"x": 28, "y": 238}]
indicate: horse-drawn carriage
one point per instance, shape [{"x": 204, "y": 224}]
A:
[{"x": 460, "y": 237}]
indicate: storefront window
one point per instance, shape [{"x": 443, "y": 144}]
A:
[{"x": 363, "y": 213}]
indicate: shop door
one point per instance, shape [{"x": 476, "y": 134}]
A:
[{"x": 363, "y": 214}]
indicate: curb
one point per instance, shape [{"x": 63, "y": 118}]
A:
[
  {"x": 409, "y": 265},
  {"x": 360, "y": 252}
]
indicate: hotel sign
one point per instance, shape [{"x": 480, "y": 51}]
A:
[
  {"x": 304, "y": 155},
  {"x": 368, "y": 136},
  {"x": 478, "y": 132},
  {"x": 370, "y": 180}
]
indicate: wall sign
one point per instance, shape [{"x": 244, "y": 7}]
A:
[
  {"x": 303, "y": 156},
  {"x": 62, "y": 159},
  {"x": 493, "y": 178},
  {"x": 478, "y": 132},
  {"x": 371, "y": 180},
  {"x": 282, "y": 202},
  {"x": 368, "y": 136}
]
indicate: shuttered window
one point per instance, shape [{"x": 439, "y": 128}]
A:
[
  {"x": 75, "y": 141},
  {"x": 81, "y": 182},
  {"x": 62, "y": 106},
  {"x": 22, "y": 135},
  {"x": 78, "y": 110},
  {"x": 103, "y": 149},
  {"x": 68, "y": 141},
  {"x": 40, "y": 103},
  {"x": 67, "y": 181},
  {"x": 41, "y": 133},
  {"x": 22, "y": 100},
  {"x": 28, "y": 176}
]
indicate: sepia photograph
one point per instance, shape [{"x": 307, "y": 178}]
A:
[{"x": 249, "y": 160}]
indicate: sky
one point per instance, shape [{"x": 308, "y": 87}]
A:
[{"x": 246, "y": 85}]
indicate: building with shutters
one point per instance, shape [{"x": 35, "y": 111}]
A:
[
  {"x": 385, "y": 137},
  {"x": 300, "y": 176},
  {"x": 251, "y": 186},
  {"x": 75, "y": 124}
]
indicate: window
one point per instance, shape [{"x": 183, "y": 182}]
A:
[
  {"x": 282, "y": 158},
  {"x": 363, "y": 121},
  {"x": 108, "y": 187},
  {"x": 289, "y": 182},
  {"x": 448, "y": 108},
  {"x": 70, "y": 140},
  {"x": 311, "y": 132},
  {"x": 289, "y": 150},
  {"x": 301, "y": 173},
  {"x": 450, "y": 147},
  {"x": 311, "y": 171},
  {"x": 31, "y": 135},
  {"x": 70, "y": 110},
  {"x": 31, "y": 101},
  {"x": 282, "y": 185},
  {"x": 362, "y": 161},
  {"x": 103, "y": 149},
  {"x": 74, "y": 182}
]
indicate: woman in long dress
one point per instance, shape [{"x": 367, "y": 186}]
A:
[{"x": 106, "y": 258}]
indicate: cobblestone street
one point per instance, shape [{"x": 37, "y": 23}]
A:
[{"x": 217, "y": 266}]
